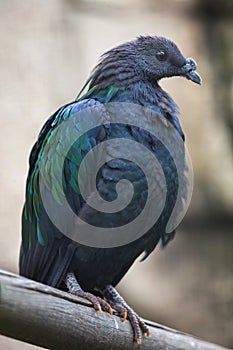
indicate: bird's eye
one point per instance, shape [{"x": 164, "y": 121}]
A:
[{"x": 161, "y": 56}]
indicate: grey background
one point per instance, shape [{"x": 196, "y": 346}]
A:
[{"x": 47, "y": 52}]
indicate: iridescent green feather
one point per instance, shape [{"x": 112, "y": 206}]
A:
[{"x": 49, "y": 164}]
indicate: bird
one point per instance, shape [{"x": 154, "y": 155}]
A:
[{"x": 128, "y": 73}]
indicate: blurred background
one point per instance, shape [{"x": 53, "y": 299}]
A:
[{"x": 47, "y": 52}]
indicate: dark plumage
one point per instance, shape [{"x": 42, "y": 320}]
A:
[{"x": 127, "y": 73}]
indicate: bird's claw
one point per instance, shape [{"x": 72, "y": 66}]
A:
[
  {"x": 138, "y": 325},
  {"x": 105, "y": 305},
  {"x": 112, "y": 300},
  {"x": 125, "y": 316},
  {"x": 100, "y": 304},
  {"x": 118, "y": 303},
  {"x": 99, "y": 308}
]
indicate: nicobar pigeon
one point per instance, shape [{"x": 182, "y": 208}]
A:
[{"x": 128, "y": 73}]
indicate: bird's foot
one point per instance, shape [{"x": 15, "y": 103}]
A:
[
  {"x": 125, "y": 311},
  {"x": 74, "y": 288}
]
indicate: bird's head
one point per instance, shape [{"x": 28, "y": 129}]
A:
[
  {"x": 158, "y": 58},
  {"x": 148, "y": 59}
]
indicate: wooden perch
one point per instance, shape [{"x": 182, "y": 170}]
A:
[{"x": 44, "y": 316}]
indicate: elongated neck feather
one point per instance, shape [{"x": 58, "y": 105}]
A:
[{"x": 117, "y": 68}]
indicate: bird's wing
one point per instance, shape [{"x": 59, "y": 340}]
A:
[{"x": 45, "y": 251}]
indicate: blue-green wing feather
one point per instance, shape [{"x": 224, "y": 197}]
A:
[{"x": 41, "y": 240}]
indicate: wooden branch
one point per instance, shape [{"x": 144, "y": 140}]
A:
[{"x": 44, "y": 316}]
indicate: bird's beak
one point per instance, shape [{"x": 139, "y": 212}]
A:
[{"x": 189, "y": 71}]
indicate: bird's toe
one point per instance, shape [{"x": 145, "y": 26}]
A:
[
  {"x": 138, "y": 325},
  {"x": 105, "y": 305}
]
